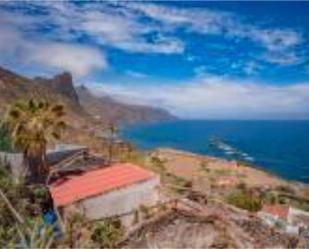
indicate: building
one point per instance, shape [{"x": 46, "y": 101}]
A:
[
  {"x": 226, "y": 181},
  {"x": 118, "y": 190},
  {"x": 54, "y": 156},
  {"x": 284, "y": 217}
]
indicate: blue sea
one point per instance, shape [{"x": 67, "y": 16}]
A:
[{"x": 279, "y": 147}]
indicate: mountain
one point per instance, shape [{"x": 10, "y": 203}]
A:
[
  {"x": 63, "y": 84},
  {"x": 14, "y": 86},
  {"x": 82, "y": 107},
  {"x": 106, "y": 108}
]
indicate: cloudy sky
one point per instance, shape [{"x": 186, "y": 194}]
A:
[{"x": 233, "y": 60}]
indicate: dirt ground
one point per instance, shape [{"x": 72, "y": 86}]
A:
[{"x": 204, "y": 169}]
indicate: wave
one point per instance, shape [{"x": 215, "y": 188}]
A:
[{"x": 230, "y": 150}]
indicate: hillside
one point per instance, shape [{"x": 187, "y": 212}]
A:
[
  {"x": 81, "y": 105},
  {"x": 106, "y": 108}
]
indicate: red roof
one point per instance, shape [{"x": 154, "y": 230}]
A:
[
  {"x": 91, "y": 183},
  {"x": 281, "y": 211}
]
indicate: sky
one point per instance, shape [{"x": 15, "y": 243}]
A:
[{"x": 198, "y": 60}]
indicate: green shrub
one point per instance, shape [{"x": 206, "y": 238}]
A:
[
  {"x": 204, "y": 166},
  {"x": 20, "y": 197},
  {"x": 285, "y": 189},
  {"x": 224, "y": 172},
  {"x": 158, "y": 164},
  {"x": 5, "y": 141},
  {"x": 107, "y": 233},
  {"x": 271, "y": 198},
  {"x": 242, "y": 186},
  {"x": 245, "y": 199}
]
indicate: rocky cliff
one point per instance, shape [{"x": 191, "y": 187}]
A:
[
  {"x": 81, "y": 105},
  {"x": 106, "y": 108}
]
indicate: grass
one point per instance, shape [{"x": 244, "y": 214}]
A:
[
  {"x": 224, "y": 172},
  {"x": 245, "y": 199},
  {"x": 204, "y": 166}
]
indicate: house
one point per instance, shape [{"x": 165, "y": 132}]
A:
[
  {"x": 226, "y": 181},
  {"x": 54, "y": 156},
  {"x": 118, "y": 190},
  {"x": 278, "y": 211},
  {"x": 288, "y": 219}
]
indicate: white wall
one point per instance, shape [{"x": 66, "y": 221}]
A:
[
  {"x": 15, "y": 160},
  {"x": 121, "y": 201}
]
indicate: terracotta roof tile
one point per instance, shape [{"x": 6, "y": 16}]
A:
[
  {"x": 281, "y": 211},
  {"x": 96, "y": 182}
]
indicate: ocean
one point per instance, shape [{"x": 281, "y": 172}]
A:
[{"x": 279, "y": 147}]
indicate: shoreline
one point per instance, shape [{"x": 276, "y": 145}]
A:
[
  {"x": 256, "y": 176},
  {"x": 241, "y": 142}
]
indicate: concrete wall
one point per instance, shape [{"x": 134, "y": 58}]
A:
[
  {"x": 121, "y": 201},
  {"x": 268, "y": 218},
  {"x": 298, "y": 217}
]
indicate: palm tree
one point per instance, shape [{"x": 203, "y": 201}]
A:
[{"x": 32, "y": 124}]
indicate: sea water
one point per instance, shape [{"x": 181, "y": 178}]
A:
[{"x": 279, "y": 147}]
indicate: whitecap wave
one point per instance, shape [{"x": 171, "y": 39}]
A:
[{"x": 230, "y": 150}]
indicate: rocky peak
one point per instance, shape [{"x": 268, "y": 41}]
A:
[
  {"x": 64, "y": 78},
  {"x": 62, "y": 83}
]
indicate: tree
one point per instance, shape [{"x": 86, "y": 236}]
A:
[{"x": 33, "y": 124}]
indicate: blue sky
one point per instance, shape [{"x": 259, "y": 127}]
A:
[{"x": 230, "y": 60}]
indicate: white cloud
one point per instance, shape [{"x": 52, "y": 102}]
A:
[
  {"x": 286, "y": 58},
  {"x": 251, "y": 68},
  {"x": 128, "y": 33},
  {"x": 210, "y": 22},
  {"x": 45, "y": 53},
  {"x": 80, "y": 60},
  {"x": 106, "y": 25},
  {"x": 122, "y": 25},
  {"x": 135, "y": 74},
  {"x": 9, "y": 40},
  {"x": 214, "y": 97},
  {"x": 200, "y": 71}
]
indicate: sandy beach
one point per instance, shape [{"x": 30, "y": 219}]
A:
[{"x": 203, "y": 170}]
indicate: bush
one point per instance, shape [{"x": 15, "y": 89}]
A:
[
  {"x": 246, "y": 200},
  {"x": 5, "y": 141},
  {"x": 242, "y": 186},
  {"x": 107, "y": 233},
  {"x": 285, "y": 189},
  {"x": 158, "y": 165},
  {"x": 224, "y": 172},
  {"x": 204, "y": 166},
  {"x": 22, "y": 198}
]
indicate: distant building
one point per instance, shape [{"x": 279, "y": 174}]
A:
[
  {"x": 118, "y": 190},
  {"x": 226, "y": 181},
  {"x": 276, "y": 211},
  {"x": 288, "y": 219}
]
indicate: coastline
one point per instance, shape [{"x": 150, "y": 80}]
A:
[
  {"x": 280, "y": 149},
  {"x": 218, "y": 177}
]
